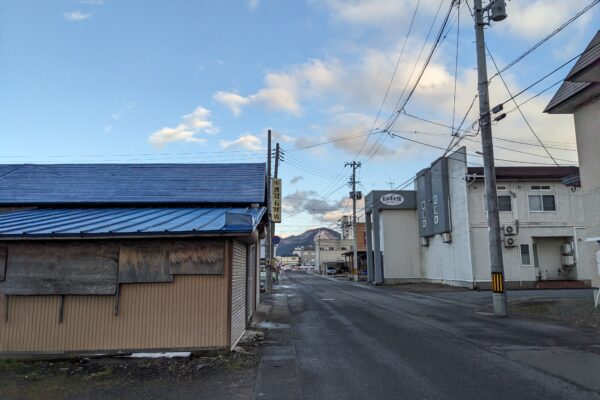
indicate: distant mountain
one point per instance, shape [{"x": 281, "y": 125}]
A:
[{"x": 307, "y": 239}]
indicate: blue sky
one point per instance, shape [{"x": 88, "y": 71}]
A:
[{"x": 202, "y": 81}]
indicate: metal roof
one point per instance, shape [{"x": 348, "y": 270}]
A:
[
  {"x": 139, "y": 222},
  {"x": 132, "y": 184},
  {"x": 529, "y": 172},
  {"x": 581, "y": 84},
  {"x": 590, "y": 58}
]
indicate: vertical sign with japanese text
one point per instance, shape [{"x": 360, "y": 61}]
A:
[{"x": 276, "y": 200}]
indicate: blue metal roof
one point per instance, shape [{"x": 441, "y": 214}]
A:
[
  {"x": 98, "y": 222},
  {"x": 132, "y": 184}
]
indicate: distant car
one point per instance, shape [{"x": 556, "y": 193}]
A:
[{"x": 330, "y": 271}]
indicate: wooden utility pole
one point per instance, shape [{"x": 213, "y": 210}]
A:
[{"x": 269, "y": 239}]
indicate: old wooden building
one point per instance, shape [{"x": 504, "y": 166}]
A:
[{"x": 123, "y": 257}]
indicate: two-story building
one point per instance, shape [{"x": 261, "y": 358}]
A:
[
  {"x": 307, "y": 255},
  {"x": 543, "y": 227},
  {"x": 330, "y": 253}
]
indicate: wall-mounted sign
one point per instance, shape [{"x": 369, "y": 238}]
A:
[
  {"x": 276, "y": 240},
  {"x": 276, "y": 200},
  {"x": 392, "y": 199}
]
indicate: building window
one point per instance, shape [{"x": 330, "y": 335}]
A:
[
  {"x": 539, "y": 202},
  {"x": 540, "y": 187},
  {"x": 504, "y": 203},
  {"x": 525, "y": 255},
  {"x": 344, "y": 248},
  {"x": 321, "y": 248},
  {"x": 332, "y": 248}
]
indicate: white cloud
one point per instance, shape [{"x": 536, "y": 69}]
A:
[
  {"x": 253, "y": 4},
  {"x": 92, "y": 2},
  {"x": 76, "y": 16},
  {"x": 191, "y": 125},
  {"x": 284, "y": 90},
  {"x": 231, "y": 100},
  {"x": 533, "y": 19},
  {"x": 248, "y": 142}
]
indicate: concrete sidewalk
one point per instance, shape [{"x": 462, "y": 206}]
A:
[{"x": 278, "y": 375}]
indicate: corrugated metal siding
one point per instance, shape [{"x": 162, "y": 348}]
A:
[
  {"x": 93, "y": 222},
  {"x": 238, "y": 291},
  {"x": 191, "y": 312}
]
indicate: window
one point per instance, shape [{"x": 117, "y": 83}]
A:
[
  {"x": 525, "y": 255},
  {"x": 332, "y": 248},
  {"x": 343, "y": 248},
  {"x": 540, "y": 187},
  {"x": 504, "y": 203},
  {"x": 321, "y": 248},
  {"x": 538, "y": 202}
]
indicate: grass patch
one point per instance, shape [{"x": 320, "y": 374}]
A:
[
  {"x": 11, "y": 364},
  {"x": 108, "y": 371}
]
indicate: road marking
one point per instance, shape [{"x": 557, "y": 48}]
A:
[{"x": 328, "y": 299}]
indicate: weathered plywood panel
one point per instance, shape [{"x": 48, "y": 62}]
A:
[
  {"x": 144, "y": 263},
  {"x": 3, "y": 256},
  {"x": 197, "y": 258},
  {"x": 61, "y": 268}
]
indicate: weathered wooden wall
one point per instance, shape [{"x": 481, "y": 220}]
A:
[
  {"x": 238, "y": 291},
  {"x": 189, "y": 312}
]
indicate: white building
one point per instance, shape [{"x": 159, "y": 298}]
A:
[
  {"x": 580, "y": 95},
  {"x": 330, "y": 252},
  {"x": 543, "y": 228}
]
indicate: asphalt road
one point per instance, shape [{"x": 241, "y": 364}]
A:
[{"x": 354, "y": 341}]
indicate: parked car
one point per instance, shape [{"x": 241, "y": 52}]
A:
[{"x": 330, "y": 271}]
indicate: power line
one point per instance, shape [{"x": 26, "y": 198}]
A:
[
  {"x": 545, "y": 39},
  {"x": 387, "y": 91},
  {"x": 519, "y": 108}
]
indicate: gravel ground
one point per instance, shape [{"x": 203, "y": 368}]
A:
[
  {"x": 204, "y": 375},
  {"x": 579, "y": 313}
]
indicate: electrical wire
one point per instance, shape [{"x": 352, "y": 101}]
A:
[{"x": 543, "y": 40}]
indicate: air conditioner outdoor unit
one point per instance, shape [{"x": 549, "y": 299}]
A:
[
  {"x": 446, "y": 237},
  {"x": 509, "y": 229},
  {"x": 510, "y": 242},
  {"x": 568, "y": 261},
  {"x": 424, "y": 241}
]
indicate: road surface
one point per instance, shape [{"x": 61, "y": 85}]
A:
[{"x": 354, "y": 341}]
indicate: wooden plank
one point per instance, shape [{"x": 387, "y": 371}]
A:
[
  {"x": 67, "y": 268},
  {"x": 145, "y": 262},
  {"x": 205, "y": 257},
  {"x": 3, "y": 257}
]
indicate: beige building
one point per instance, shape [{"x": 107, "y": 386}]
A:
[
  {"x": 330, "y": 252},
  {"x": 580, "y": 95},
  {"x": 125, "y": 258}
]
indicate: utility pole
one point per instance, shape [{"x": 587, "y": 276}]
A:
[
  {"x": 354, "y": 165},
  {"x": 269, "y": 239},
  {"x": 497, "y": 11}
]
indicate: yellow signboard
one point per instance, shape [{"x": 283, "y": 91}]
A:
[{"x": 276, "y": 200}]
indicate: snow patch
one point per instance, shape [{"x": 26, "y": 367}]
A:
[{"x": 161, "y": 355}]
